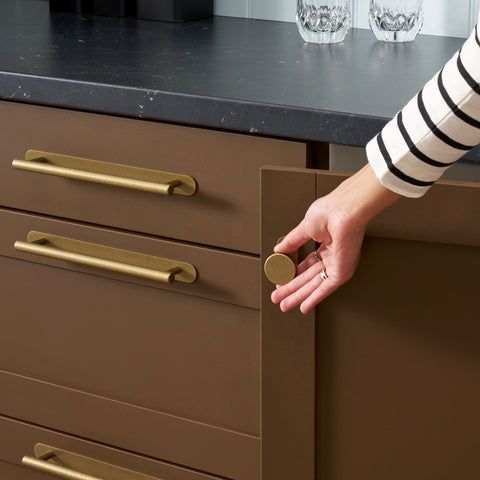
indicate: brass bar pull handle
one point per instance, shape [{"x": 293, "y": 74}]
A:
[
  {"x": 112, "y": 174},
  {"x": 107, "y": 258},
  {"x": 42, "y": 465},
  {"x": 93, "y": 177},
  {"x": 72, "y": 466}
]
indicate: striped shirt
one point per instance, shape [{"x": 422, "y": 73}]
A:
[{"x": 435, "y": 129}]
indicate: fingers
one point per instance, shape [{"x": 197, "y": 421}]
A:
[
  {"x": 286, "y": 290},
  {"x": 312, "y": 259},
  {"x": 301, "y": 294},
  {"x": 294, "y": 240},
  {"x": 325, "y": 289}
]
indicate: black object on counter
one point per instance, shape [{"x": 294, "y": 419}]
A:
[
  {"x": 174, "y": 10},
  {"x": 71, "y": 6},
  {"x": 114, "y": 8}
]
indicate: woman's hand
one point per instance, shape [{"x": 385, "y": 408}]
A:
[
  {"x": 341, "y": 237},
  {"x": 338, "y": 222}
]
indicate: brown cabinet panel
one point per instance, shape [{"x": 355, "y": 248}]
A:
[
  {"x": 182, "y": 355},
  {"x": 224, "y": 212},
  {"x": 158, "y": 435},
  {"x": 398, "y": 363},
  {"x": 449, "y": 213},
  {"x": 288, "y": 342},
  {"x": 398, "y": 366},
  {"x": 18, "y": 439},
  {"x": 392, "y": 358},
  {"x": 223, "y": 276},
  {"x": 95, "y": 349}
]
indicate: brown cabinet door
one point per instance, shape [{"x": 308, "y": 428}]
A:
[
  {"x": 396, "y": 375},
  {"x": 288, "y": 342},
  {"x": 398, "y": 348}
]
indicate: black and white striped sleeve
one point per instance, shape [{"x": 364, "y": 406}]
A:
[{"x": 436, "y": 128}]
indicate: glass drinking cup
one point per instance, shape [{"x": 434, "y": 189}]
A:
[
  {"x": 324, "y": 21},
  {"x": 396, "y": 20}
]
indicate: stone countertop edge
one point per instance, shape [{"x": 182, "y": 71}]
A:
[
  {"x": 284, "y": 121},
  {"x": 274, "y": 120}
]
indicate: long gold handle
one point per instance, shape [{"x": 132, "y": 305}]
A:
[
  {"x": 42, "y": 465},
  {"x": 72, "y": 466},
  {"x": 106, "y": 258},
  {"x": 112, "y": 174}
]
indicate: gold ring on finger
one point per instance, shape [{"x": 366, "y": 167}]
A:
[{"x": 324, "y": 274}]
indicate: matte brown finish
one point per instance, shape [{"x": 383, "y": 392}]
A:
[
  {"x": 18, "y": 438},
  {"x": 190, "y": 363},
  {"x": 165, "y": 350},
  {"x": 398, "y": 358},
  {"x": 398, "y": 366},
  {"x": 224, "y": 212},
  {"x": 157, "y": 435},
  {"x": 448, "y": 213},
  {"x": 288, "y": 343},
  {"x": 224, "y": 276}
]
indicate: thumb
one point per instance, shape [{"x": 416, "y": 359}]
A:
[{"x": 293, "y": 240}]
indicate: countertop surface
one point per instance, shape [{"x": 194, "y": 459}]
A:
[{"x": 225, "y": 73}]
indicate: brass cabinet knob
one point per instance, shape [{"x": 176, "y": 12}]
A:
[{"x": 280, "y": 269}]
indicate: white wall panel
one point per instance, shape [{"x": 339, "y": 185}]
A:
[
  {"x": 442, "y": 17},
  {"x": 233, "y": 8},
  {"x": 475, "y": 10},
  {"x": 447, "y": 17},
  {"x": 281, "y": 10}
]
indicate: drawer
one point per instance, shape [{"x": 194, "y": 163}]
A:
[
  {"x": 18, "y": 439},
  {"x": 223, "y": 212},
  {"x": 130, "y": 362}
]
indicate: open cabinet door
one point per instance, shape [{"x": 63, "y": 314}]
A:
[
  {"x": 288, "y": 341},
  {"x": 397, "y": 350}
]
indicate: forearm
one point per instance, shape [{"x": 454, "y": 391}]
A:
[
  {"x": 436, "y": 128},
  {"x": 364, "y": 196}
]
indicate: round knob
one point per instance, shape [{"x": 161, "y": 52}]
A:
[{"x": 280, "y": 269}]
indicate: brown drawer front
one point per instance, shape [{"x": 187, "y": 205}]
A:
[
  {"x": 189, "y": 361},
  {"x": 224, "y": 211},
  {"x": 18, "y": 440}
]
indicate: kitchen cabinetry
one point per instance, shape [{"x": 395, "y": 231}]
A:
[
  {"x": 109, "y": 354},
  {"x": 101, "y": 340},
  {"x": 208, "y": 376},
  {"x": 207, "y": 379},
  {"x": 387, "y": 368}
]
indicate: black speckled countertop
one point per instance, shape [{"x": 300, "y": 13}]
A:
[{"x": 225, "y": 73}]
